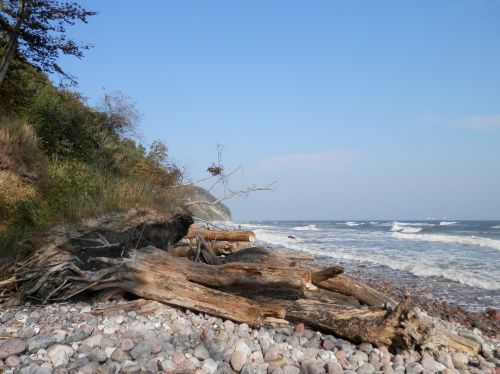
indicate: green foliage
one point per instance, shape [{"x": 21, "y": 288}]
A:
[
  {"x": 74, "y": 162},
  {"x": 37, "y": 31}
]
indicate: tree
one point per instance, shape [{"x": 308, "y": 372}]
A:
[{"x": 37, "y": 30}]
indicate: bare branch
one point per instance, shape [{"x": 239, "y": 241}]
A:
[{"x": 243, "y": 193}]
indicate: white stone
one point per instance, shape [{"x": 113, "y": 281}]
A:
[
  {"x": 109, "y": 351},
  {"x": 209, "y": 366},
  {"x": 93, "y": 341},
  {"x": 59, "y": 354}
]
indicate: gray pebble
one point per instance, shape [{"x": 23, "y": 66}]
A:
[
  {"x": 414, "y": 368},
  {"x": 142, "y": 349},
  {"x": 366, "y": 369},
  {"x": 201, "y": 352}
]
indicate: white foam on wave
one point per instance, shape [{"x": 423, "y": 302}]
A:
[
  {"x": 351, "y": 223},
  {"x": 447, "y": 223},
  {"x": 452, "y": 239},
  {"x": 306, "y": 228},
  {"x": 428, "y": 268},
  {"x": 420, "y": 269},
  {"x": 277, "y": 239},
  {"x": 401, "y": 227},
  {"x": 495, "y": 227}
]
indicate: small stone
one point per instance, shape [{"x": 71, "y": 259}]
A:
[
  {"x": 334, "y": 368},
  {"x": 366, "y": 369},
  {"x": 61, "y": 370},
  {"x": 209, "y": 366},
  {"x": 459, "y": 360},
  {"x": 98, "y": 355},
  {"x": 7, "y": 316},
  {"x": 119, "y": 355},
  {"x": 90, "y": 368},
  {"x": 201, "y": 352},
  {"x": 93, "y": 341},
  {"x": 27, "y": 332},
  {"x": 109, "y": 351},
  {"x": 238, "y": 359},
  {"x": 86, "y": 309},
  {"x": 289, "y": 369},
  {"x": 428, "y": 362},
  {"x": 342, "y": 359},
  {"x": 248, "y": 369},
  {"x": 299, "y": 328},
  {"x": 387, "y": 369},
  {"x": 167, "y": 365},
  {"x": 59, "y": 354},
  {"x": 414, "y": 368},
  {"x": 131, "y": 368},
  {"x": 127, "y": 344},
  {"x": 329, "y": 344},
  {"x": 243, "y": 347},
  {"x": 272, "y": 353},
  {"x": 358, "y": 359},
  {"x": 41, "y": 341},
  {"x": 445, "y": 359},
  {"x": 12, "y": 347},
  {"x": 450, "y": 371},
  {"x": 12, "y": 361},
  {"x": 110, "y": 368},
  {"x": 142, "y": 349},
  {"x": 365, "y": 347},
  {"x": 471, "y": 336}
]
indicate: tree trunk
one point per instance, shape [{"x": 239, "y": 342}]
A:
[
  {"x": 11, "y": 44},
  {"x": 229, "y": 236}
]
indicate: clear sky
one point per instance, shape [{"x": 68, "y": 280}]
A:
[{"x": 360, "y": 109}]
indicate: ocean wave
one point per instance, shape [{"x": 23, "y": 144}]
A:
[
  {"x": 416, "y": 268},
  {"x": 351, "y": 223},
  {"x": 495, "y": 227},
  {"x": 452, "y": 239},
  {"x": 278, "y": 239},
  {"x": 447, "y": 223},
  {"x": 306, "y": 228},
  {"x": 401, "y": 227}
]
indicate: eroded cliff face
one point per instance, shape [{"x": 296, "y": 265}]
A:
[{"x": 216, "y": 212}]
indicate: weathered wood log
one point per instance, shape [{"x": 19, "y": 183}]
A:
[
  {"x": 342, "y": 283},
  {"x": 229, "y": 236},
  {"x": 364, "y": 293},
  {"x": 251, "y": 285}
]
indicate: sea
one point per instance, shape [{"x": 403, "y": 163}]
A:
[{"x": 453, "y": 261}]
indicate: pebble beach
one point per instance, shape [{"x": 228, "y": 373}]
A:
[{"x": 77, "y": 338}]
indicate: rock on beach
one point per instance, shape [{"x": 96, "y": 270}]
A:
[{"x": 63, "y": 339}]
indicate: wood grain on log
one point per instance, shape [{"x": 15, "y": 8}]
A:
[{"x": 229, "y": 236}]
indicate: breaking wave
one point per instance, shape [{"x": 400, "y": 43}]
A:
[
  {"x": 403, "y": 228},
  {"x": 452, "y": 239},
  {"x": 306, "y": 228},
  {"x": 447, "y": 223}
]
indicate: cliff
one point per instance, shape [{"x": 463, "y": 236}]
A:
[{"x": 216, "y": 212}]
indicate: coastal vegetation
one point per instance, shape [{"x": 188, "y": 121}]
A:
[{"x": 62, "y": 159}]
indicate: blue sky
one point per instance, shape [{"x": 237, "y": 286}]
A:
[{"x": 360, "y": 109}]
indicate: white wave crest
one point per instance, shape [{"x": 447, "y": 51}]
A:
[
  {"x": 277, "y": 239},
  {"x": 416, "y": 268},
  {"x": 401, "y": 227},
  {"x": 306, "y": 228},
  {"x": 495, "y": 227},
  {"x": 452, "y": 239},
  {"x": 447, "y": 223},
  {"x": 351, "y": 223}
]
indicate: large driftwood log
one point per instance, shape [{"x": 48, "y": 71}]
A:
[
  {"x": 229, "y": 236},
  {"x": 130, "y": 253}
]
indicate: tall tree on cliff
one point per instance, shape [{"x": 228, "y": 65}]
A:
[{"x": 36, "y": 29}]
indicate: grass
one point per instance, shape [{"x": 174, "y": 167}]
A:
[{"x": 37, "y": 192}]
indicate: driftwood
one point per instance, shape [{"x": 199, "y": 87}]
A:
[
  {"x": 229, "y": 236},
  {"x": 130, "y": 253}
]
